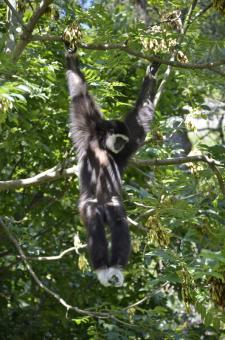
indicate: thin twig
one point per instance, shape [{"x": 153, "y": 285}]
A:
[
  {"x": 52, "y": 258},
  {"x": 188, "y": 16}
]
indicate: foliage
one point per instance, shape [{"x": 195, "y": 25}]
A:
[{"x": 176, "y": 271}]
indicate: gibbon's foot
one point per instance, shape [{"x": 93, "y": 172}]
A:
[
  {"x": 102, "y": 275},
  {"x": 115, "y": 276},
  {"x": 112, "y": 276}
]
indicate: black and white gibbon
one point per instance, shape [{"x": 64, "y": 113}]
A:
[{"x": 103, "y": 150}]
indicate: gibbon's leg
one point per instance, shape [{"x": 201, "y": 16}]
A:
[
  {"x": 97, "y": 243},
  {"x": 116, "y": 218}
]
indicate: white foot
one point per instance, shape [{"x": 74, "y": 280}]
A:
[
  {"x": 102, "y": 275},
  {"x": 115, "y": 277}
]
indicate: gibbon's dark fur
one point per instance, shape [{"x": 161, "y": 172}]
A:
[{"x": 100, "y": 169}]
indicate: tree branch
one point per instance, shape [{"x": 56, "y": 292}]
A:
[
  {"x": 193, "y": 159},
  {"x": 52, "y": 258},
  {"x": 25, "y": 37},
  {"x": 77, "y": 245},
  {"x": 176, "y": 161},
  {"x": 44, "y": 258},
  {"x": 57, "y": 173},
  {"x": 46, "y": 176},
  {"x": 128, "y": 50}
]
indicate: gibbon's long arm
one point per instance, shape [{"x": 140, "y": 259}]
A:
[
  {"x": 138, "y": 120},
  {"x": 84, "y": 114}
]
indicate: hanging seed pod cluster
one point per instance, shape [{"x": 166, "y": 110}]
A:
[
  {"x": 158, "y": 235},
  {"x": 72, "y": 35},
  {"x": 217, "y": 290},
  {"x": 187, "y": 290}
]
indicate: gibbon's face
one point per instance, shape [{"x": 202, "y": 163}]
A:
[
  {"x": 117, "y": 136},
  {"x": 112, "y": 135}
]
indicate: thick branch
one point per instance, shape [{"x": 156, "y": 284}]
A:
[
  {"x": 46, "y": 176},
  {"x": 56, "y": 172},
  {"x": 25, "y": 37}
]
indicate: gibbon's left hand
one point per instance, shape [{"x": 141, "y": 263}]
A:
[{"x": 71, "y": 37}]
